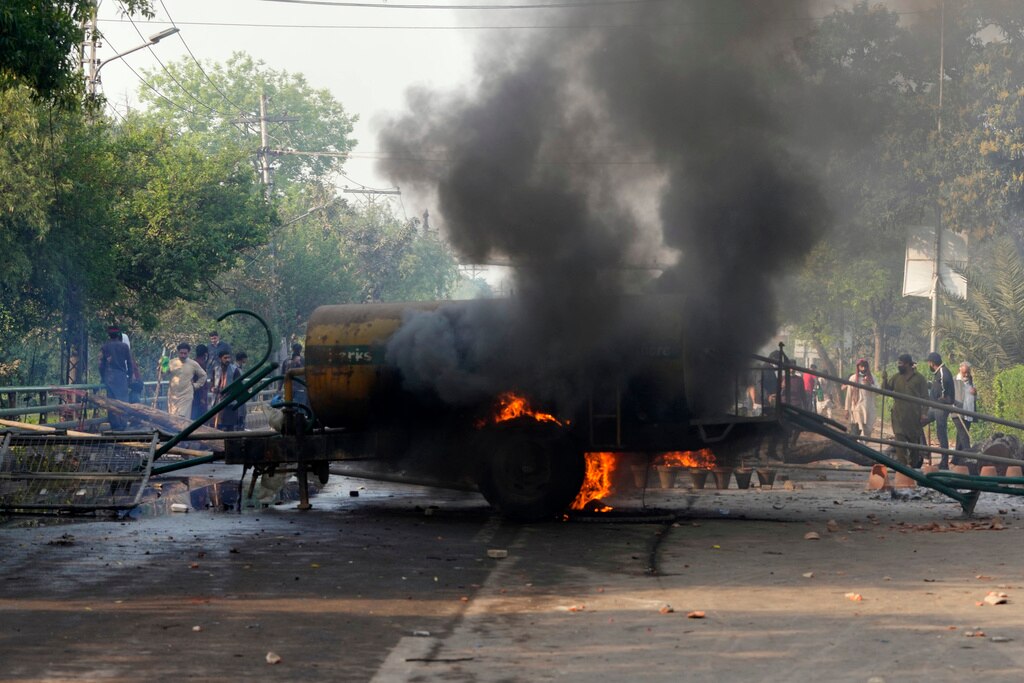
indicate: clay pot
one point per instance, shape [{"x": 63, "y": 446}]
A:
[
  {"x": 766, "y": 476},
  {"x": 743, "y": 475},
  {"x": 698, "y": 477},
  {"x": 902, "y": 481},
  {"x": 928, "y": 469},
  {"x": 989, "y": 471},
  {"x": 639, "y": 475},
  {"x": 1014, "y": 471},
  {"x": 667, "y": 476},
  {"x": 722, "y": 476},
  {"x": 879, "y": 478},
  {"x": 960, "y": 469}
]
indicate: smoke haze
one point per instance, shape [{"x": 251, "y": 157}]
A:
[{"x": 590, "y": 148}]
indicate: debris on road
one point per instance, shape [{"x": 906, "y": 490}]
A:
[
  {"x": 497, "y": 553},
  {"x": 996, "y": 598},
  {"x": 696, "y": 614},
  {"x": 273, "y": 658},
  {"x": 666, "y": 609},
  {"x": 812, "y": 536},
  {"x": 855, "y": 597}
]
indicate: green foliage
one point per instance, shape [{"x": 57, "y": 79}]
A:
[
  {"x": 39, "y": 41},
  {"x": 341, "y": 256},
  {"x": 103, "y": 224},
  {"x": 1007, "y": 403},
  {"x": 181, "y": 217},
  {"x": 216, "y": 106},
  {"x": 987, "y": 328}
]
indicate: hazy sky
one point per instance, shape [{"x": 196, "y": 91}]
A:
[
  {"x": 366, "y": 56},
  {"x": 366, "y": 67}
]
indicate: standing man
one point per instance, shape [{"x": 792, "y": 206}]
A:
[
  {"x": 810, "y": 389},
  {"x": 294, "y": 362},
  {"x": 216, "y": 350},
  {"x": 186, "y": 378},
  {"x": 117, "y": 370},
  {"x": 224, "y": 373},
  {"x": 941, "y": 390},
  {"x": 966, "y": 398},
  {"x": 241, "y": 360},
  {"x": 907, "y": 418},
  {"x": 199, "y": 400},
  {"x": 859, "y": 403}
]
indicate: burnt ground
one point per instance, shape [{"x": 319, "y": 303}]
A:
[{"x": 397, "y": 585}]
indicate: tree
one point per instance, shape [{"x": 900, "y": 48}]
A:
[
  {"x": 865, "y": 75},
  {"x": 343, "y": 256},
  {"x": 183, "y": 216},
  {"x": 106, "y": 223},
  {"x": 987, "y": 327},
  {"x": 39, "y": 42},
  {"x": 220, "y": 103}
]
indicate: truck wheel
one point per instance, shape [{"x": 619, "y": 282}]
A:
[{"x": 530, "y": 476}]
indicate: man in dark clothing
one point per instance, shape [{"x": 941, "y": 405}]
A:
[
  {"x": 224, "y": 373},
  {"x": 942, "y": 390},
  {"x": 293, "y": 363},
  {"x": 200, "y": 398},
  {"x": 216, "y": 350},
  {"x": 907, "y": 416},
  {"x": 117, "y": 370}
]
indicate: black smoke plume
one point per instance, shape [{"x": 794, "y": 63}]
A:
[{"x": 648, "y": 131}]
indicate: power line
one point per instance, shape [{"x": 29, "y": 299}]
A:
[
  {"x": 563, "y": 4},
  {"x": 495, "y": 27},
  {"x": 146, "y": 83},
  {"x": 171, "y": 75},
  {"x": 116, "y": 112},
  {"x": 543, "y": 162},
  {"x": 198, "y": 64}
]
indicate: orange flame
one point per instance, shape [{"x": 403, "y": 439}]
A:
[
  {"x": 703, "y": 458},
  {"x": 597, "y": 484},
  {"x": 510, "y": 406}
]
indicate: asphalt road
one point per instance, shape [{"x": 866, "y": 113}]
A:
[{"x": 397, "y": 585}]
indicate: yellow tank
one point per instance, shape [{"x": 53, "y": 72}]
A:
[{"x": 346, "y": 374}]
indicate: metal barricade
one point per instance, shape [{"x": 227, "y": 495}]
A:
[{"x": 73, "y": 474}]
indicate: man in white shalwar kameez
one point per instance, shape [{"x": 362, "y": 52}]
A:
[
  {"x": 860, "y": 403},
  {"x": 186, "y": 378}
]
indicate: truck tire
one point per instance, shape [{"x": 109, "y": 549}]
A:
[{"x": 530, "y": 474}]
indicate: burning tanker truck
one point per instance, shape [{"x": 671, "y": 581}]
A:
[{"x": 403, "y": 392}]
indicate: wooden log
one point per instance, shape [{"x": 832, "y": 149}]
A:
[
  {"x": 158, "y": 419},
  {"x": 39, "y": 428},
  {"x": 177, "y": 450}
]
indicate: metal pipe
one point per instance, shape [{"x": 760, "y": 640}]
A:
[
  {"x": 967, "y": 502},
  {"x": 164, "y": 469},
  {"x": 935, "y": 449},
  {"x": 903, "y": 397}
]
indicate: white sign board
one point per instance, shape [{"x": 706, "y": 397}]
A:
[{"x": 920, "y": 262}]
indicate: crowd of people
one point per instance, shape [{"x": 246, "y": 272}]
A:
[
  {"x": 909, "y": 419},
  {"x": 195, "y": 383}
]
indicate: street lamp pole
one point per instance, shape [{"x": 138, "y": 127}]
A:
[{"x": 95, "y": 64}]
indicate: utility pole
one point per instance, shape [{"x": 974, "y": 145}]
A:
[
  {"x": 263, "y": 155},
  {"x": 89, "y": 63},
  {"x": 937, "y": 269}
]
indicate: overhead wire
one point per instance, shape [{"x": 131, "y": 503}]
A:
[
  {"x": 167, "y": 71},
  {"x": 560, "y": 4},
  {"x": 116, "y": 112},
  {"x": 149, "y": 85},
  {"x": 496, "y": 27},
  {"x": 199, "y": 64}
]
